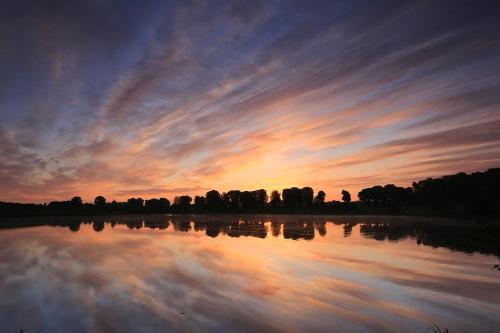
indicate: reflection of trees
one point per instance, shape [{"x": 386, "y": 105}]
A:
[
  {"x": 213, "y": 230},
  {"x": 298, "y": 230},
  {"x": 275, "y": 228},
  {"x": 479, "y": 237},
  {"x": 98, "y": 225},
  {"x": 258, "y": 228},
  {"x": 253, "y": 229},
  {"x": 156, "y": 222},
  {"x": 134, "y": 224},
  {"x": 466, "y": 237},
  {"x": 382, "y": 231},
  {"x": 249, "y": 227},
  {"x": 216, "y": 227},
  {"x": 182, "y": 224},
  {"x": 74, "y": 226},
  {"x": 348, "y": 229},
  {"x": 320, "y": 227},
  {"x": 200, "y": 225}
]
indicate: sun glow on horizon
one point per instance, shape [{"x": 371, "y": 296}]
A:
[{"x": 171, "y": 99}]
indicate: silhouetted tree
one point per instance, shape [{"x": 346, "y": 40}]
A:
[
  {"x": 183, "y": 203},
  {"x": 319, "y": 200},
  {"x": 77, "y": 202},
  {"x": 307, "y": 196},
  {"x": 135, "y": 204},
  {"x": 234, "y": 197},
  {"x": 475, "y": 193},
  {"x": 395, "y": 195},
  {"x": 292, "y": 198},
  {"x": 374, "y": 196},
  {"x": 248, "y": 200},
  {"x": 224, "y": 201},
  {"x": 261, "y": 198},
  {"x": 157, "y": 205},
  {"x": 199, "y": 203},
  {"x": 390, "y": 195},
  {"x": 275, "y": 201},
  {"x": 346, "y": 196},
  {"x": 213, "y": 200},
  {"x": 115, "y": 206},
  {"x": 100, "y": 202},
  {"x": 164, "y": 203}
]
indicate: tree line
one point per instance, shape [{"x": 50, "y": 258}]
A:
[{"x": 474, "y": 193}]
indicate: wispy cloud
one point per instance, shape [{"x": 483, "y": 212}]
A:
[{"x": 172, "y": 98}]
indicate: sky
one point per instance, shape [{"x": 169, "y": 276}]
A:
[{"x": 164, "y": 98}]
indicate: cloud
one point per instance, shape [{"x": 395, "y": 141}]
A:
[
  {"x": 467, "y": 135},
  {"x": 160, "y": 191},
  {"x": 179, "y": 97}
]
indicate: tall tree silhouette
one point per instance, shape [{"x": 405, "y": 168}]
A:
[
  {"x": 135, "y": 204},
  {"x": 183, "y": 203},
  {"x": 248, "y": 200},
  {"x": 234, "y": 197},
  {"x": 275, "y": 200},
  {"x": 293, "y": 198},
  {"x": 213, "y": 200},
  {"x": 261, "y": 197},
  {"x": 157, "y": 205},
  {"x": 100, "y": 202},
  {"x": 307, "y": 196},
  {"x": 346, "y": 196},
  {"x": 76, "y": 202},
  {"x": 199, "y": 203},
  {"x": 319, "y": 200}
]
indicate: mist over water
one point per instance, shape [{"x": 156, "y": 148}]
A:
[{"x": 216, "y": 273}]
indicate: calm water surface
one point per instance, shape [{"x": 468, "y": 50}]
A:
[{"x": 248, "y": 274}]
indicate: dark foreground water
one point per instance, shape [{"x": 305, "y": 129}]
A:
[{"x": 249, "y": 274}]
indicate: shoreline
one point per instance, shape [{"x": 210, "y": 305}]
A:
[{"x": 436, "y": 216}]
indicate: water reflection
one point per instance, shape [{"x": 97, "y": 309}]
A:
[
  {"x": 211, "y": 273},
  {"x": 465, "y": 236}
]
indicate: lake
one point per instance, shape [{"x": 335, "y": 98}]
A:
[{"x": 248, "y": 273}]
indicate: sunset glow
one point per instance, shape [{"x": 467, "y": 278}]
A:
[{"x": 160, "y": 98}]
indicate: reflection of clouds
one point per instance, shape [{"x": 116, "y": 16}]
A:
[
  {"x": 122, "y": 280},
  {"x": 441, "y": 281}
]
